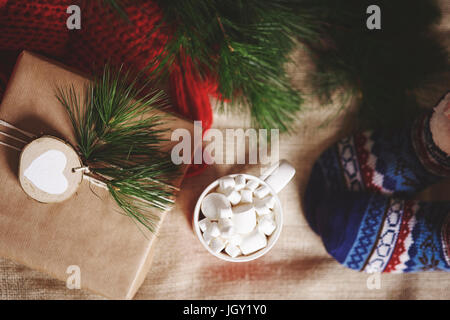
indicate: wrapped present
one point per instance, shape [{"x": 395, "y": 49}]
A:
[{"x": 87, "y": 231}]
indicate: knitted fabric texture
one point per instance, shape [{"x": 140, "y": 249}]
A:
[
  {"x": 40, "y": 26},
  {"x": 357, "y": 200}
]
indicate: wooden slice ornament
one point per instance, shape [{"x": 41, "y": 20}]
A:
[
  {"x": 49, "y": 170},
  {"x": 129, "y": 161}
]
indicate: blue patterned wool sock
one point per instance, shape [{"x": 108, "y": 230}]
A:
[
  {"x": 398, "y": 163},
  {"x": 355, "y": 200},
  {"x": 376, "y": 233}
]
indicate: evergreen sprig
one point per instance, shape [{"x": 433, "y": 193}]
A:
[
  {"x": 119, "y": 140},
  {"x": 245, "y": 44}
]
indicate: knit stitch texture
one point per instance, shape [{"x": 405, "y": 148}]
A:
[{"x": 358, "y": 201}]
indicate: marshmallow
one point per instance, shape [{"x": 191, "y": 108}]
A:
[
  {"x": 271, "y": 215},
  {"x": 252, "y": 242},
  {"x": 233, "y": 196},
  {"x": 225, "y": 213},
  {"x": 261, "y": 192},
  {"x": 207, "y": 237},
  {"x": 227, "y": 232},
  {"x": 232, "y": 250},
  {"x": 244, "y": 218},
  {"x": 252, "y": 185},
  {"x": 261, "y": 208},
  {"x": 239, "y": 182},
  {"x": 246, "y": 196},
  {"x": 226, "y": 228},
  {"x": 225, "y": 223},
  {"x": 269, "y": 201},
  {"x": 217, "y": 245},
  {"x": 235, "y": 239},
  {"x": 226, "y": 182},
  {"x": 212, "y": 204},
  {"x": 204, "y": 223},
  {"x": 266, "y": 225},
  {"x": 213, "y": 229}
]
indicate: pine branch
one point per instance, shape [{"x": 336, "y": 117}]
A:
[
  {"x": 120, "y": 141},
  {"x": 245, "y": 45}
]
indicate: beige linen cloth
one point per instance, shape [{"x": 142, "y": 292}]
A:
[{"x": 298, "y": 266}]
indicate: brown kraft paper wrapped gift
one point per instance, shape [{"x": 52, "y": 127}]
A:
[{"x": 87, "y": 230}]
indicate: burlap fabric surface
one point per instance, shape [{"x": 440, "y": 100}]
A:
[{"x": 298, "y": 266}]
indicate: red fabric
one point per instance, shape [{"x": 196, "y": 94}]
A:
[{"x": 40, "y": 26}]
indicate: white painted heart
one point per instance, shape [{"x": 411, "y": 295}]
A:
[{"x": 46, "y": 172}]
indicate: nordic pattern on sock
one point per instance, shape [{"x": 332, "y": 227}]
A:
[
  {"x": 329, "y": 165},
  {"x": 374, "y": 232},
  {"x": 427, "y": 251},
  {"x": 385, "y": 163},
  {"x": 353, "y": 201},
  {"x": 383, "y": 251},
  {"x": 399, "y": 254},
  {"x": 348, "y": 159},
  {"x": 412, "y": 236},
  {"x": 367, "y": 233},
  {"x": 388, "y": 163}
]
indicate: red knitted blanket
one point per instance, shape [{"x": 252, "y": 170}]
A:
[{"x": 40, "y": 26}]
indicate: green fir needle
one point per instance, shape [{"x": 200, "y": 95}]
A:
[{"x": 120, "y": 142}]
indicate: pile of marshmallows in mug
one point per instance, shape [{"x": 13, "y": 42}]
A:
[{"x": 238, "y": 216}]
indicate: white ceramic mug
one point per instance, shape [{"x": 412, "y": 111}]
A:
[{"x": 275, "y": 178}]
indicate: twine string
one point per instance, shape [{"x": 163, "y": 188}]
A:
[
  {"x": 10, "y": 126},
  {"x": 10, "y": 136},
  {"x": 84, "y": 169},
  {"x": 94, "y": 181},
  {"x": 10, "y": 146}
]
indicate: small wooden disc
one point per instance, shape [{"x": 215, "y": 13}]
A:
[{"x": 46, "y": 170}]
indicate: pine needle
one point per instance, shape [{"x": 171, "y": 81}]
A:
[
  {"x": 245, "y": 45},
  {"x": 120, "y": 142}
]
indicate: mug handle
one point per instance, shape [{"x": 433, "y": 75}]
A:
[{"x": 279, "y": 175}]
